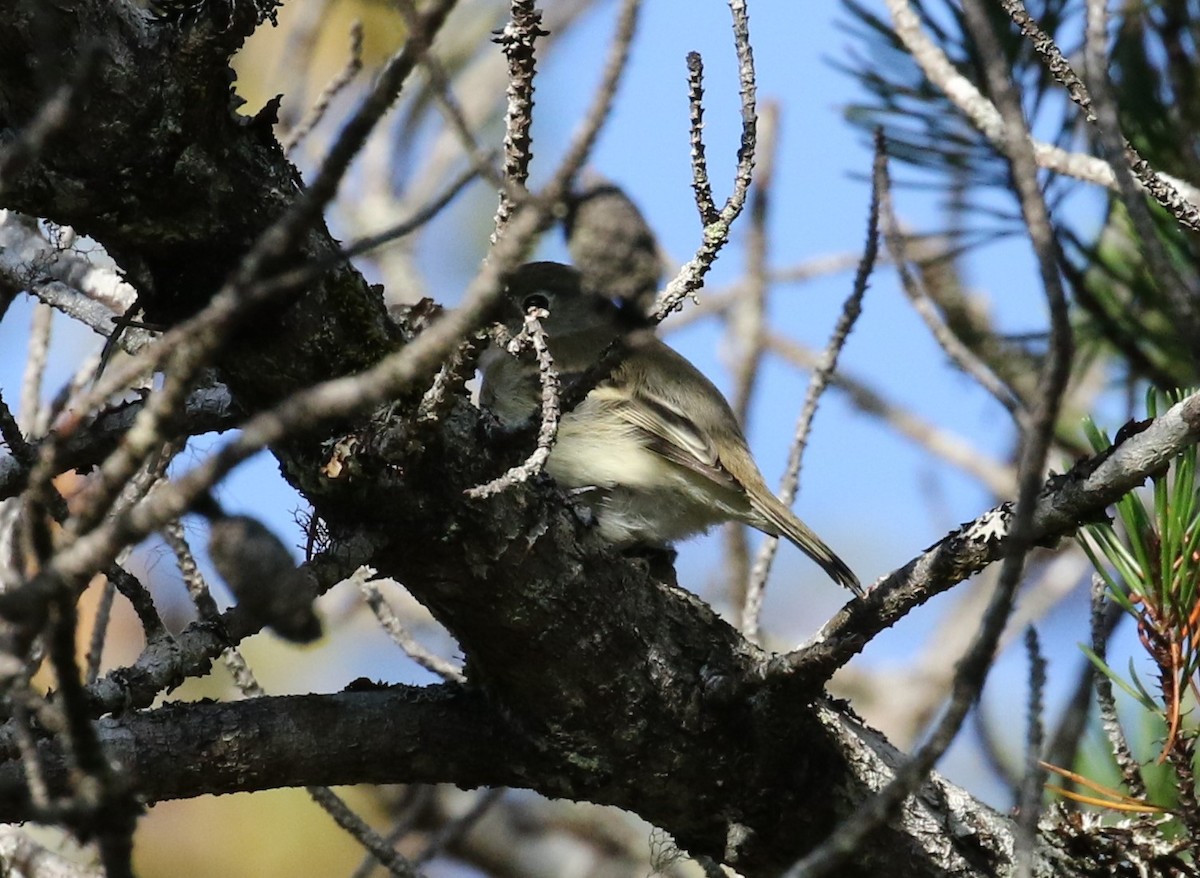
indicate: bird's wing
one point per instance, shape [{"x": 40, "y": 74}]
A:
[{"x": 669, "y": 431}]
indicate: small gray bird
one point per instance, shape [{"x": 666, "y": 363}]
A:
[{"x": 654, "y": 449}]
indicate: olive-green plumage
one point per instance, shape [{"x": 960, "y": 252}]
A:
[{"x": 654, "y": 449}]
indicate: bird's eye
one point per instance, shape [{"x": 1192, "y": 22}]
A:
[{"x": 537, "y": 300}]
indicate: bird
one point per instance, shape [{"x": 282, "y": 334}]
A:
[{"x": 654, "y": 450}]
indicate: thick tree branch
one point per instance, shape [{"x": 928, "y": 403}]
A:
[
  {"x": 449, "y": 734},
  {"x": 1067, "y": 501}
]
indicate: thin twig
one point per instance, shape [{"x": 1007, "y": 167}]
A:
[
  {"x": 1127, "y": 763},
  {"x": 821, "y": 376},
  {"x": 482, "y": 161},
  {"x": 100, "y": 620},
  {"x": 410, "y": 224},
  {"x": 29, "y": 412},
  {"x": 125, "y": 582},
  {"x": 701, "y": 186},
  {"x": 364, "y": 579},
  {"x": 455, "y": 830},
  {"x": 202, "y": 334},
  {"x": 1034, "y": 778},
  {"x": 22, "y": 725},
  {"x": 1064, "y": 502},
  {"x": 139, "y": 597},
  {"x": 584, "y": 138},
  {"x": 335, "y": 87},
  {"x": 745, "y": 323},
  {"x": 193, "y": 579},
  {"x": 517, "y": 40},
  {"x": 992, "y": 742},
  {"x": 718, "y": 300},
  {"x": 997, "y": 477},
  {"x": 474, "y": 103},
  {"x": 275, "y": 242},
  {"x": 249, "y": 687},
  {"x": 959, "y": 353},
  {"x": 102, "y": 794},
  {"x": 416, "y": 798},
  {"x": 532, "y": 335},
  {"x": 717, "y": 227},
  {"x": 197, "y": 587},
  {"x": 384, "y": 853},
  {"x": 1063, "y": 748},
  {"x": 299, "y": 48}
]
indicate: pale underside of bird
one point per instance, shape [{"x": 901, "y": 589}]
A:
[{"x": 654, "y": 450}]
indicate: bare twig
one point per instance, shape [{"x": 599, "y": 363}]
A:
[
  {"x": 1181, "y": 420},
  {"x": 103, "y": 797},
  {"x": 117, "y": 576},
  {"x": 745, "y": 323},
  {"x": 454, "y": 830},
  {"x": 851, "y": 309},
  {"x": 193, "y": 342},
  {"x": 29, "y": 413},
  {"x": 298, "y": 51},
  {"x": 416, "y": 797},
  {"x": 532, "y": 335},
  {"x": 364, "y": 579},
  {"x": 100, "y": 621},
  {"x": 584, "y": 138},
  {"x": 1073, "y": 724},
  {"x": 717, "y": 227},
  {"x": 249, "y": 687},
  {"x": 1127, "y": 763},
  {"x": 999, "y": 478},
  {"x": 132, "y": 589},
  {"x": 385, "y": 853},
  {"x": 954, "y": 347},
  {"x": 23, "y": 715},
  {"x": 718, "y": 300},
  {"x": 701, "y": 186},
  {"x": 193, "y": 579},
  {"x": 915, "y": 693},
  {"x": 275, "y": 242},
  {"x": 203, "y": 334},
  {"x": 1029, "y": 805},
  {"x": 206, "y": 409},
  {"x": 482, "y": 161},
  {"x": 418, "y": 219},
  {"x": 993, "y": 740},
  {"x": 517, "y": 39},
  {"x": 335, "y": 86}
]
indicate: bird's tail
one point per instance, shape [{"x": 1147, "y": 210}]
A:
[{"x": 780, "y": 521}]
